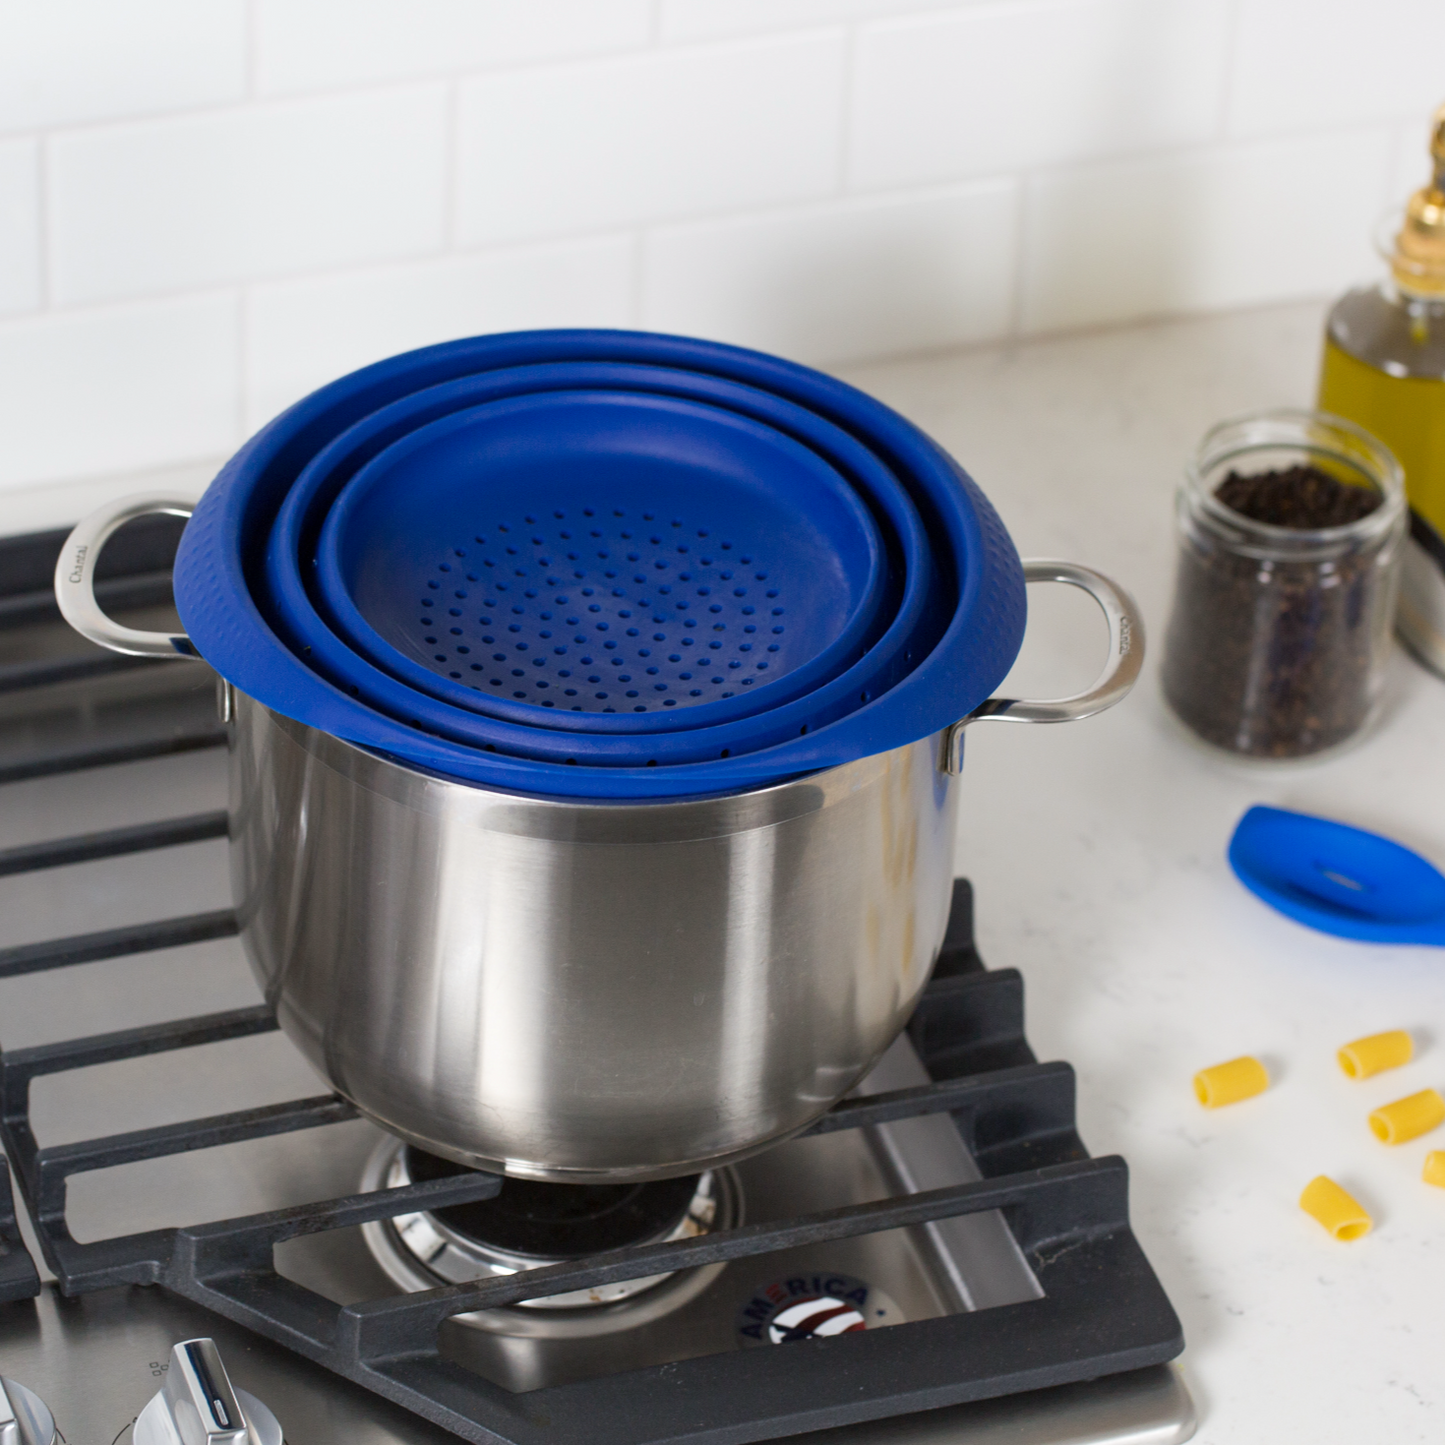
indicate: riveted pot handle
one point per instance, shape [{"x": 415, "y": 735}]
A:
[
  {"x": 1121, "y": 671},
  {"x": 75, "y": 577}
]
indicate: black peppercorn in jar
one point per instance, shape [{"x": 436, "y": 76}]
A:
[{"x": 1291, "y": 525}]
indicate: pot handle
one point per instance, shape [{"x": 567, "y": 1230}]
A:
[
  {"x": 75, "y": 577},
  {"x": 1121, "y": 671}
]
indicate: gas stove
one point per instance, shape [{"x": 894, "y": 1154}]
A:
[{"x": 219, "y": 1239}]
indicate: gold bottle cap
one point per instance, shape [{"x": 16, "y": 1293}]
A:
[{"x": 1419, "y": 257}]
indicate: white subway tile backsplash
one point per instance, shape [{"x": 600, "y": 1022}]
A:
[
  {"x": 710, "y": 19},
  {"x": 831, "y": 179},
  {"x": 614, "y": 143},
  {"x": 167, "y": 205},
  {"x": 311, "y": 44},
  {"x": 1224, "y": 227},
  {"x": 19, "y": 225},
  {"x": 1305, "y": 63},
  {"x": 992, "y": 88},
  {"x": 301, "y": 334},
  {"x": 845, "y": 280},
  {"x": 65, "y": 61},
  {"x": 118, "y": 389}
]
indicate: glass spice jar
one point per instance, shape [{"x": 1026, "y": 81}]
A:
[{"x": 1291, "y": 527}]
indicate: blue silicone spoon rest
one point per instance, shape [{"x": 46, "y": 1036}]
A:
[{"x": 1338, "y": 879}]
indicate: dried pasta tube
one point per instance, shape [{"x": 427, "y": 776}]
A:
[
  {"x": 1230, "y": 1082},
  {"x": 1408, "y": 1118},
  {"x": 1377, "y": 1053},
  {"x": 1435, "y": 1168},
  {"x": 1339, "y": 1211}
]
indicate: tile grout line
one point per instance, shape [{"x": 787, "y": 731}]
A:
[{"x": 240, "y": 105}]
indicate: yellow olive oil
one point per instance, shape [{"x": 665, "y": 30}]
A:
[{"x": 1407, "y": 413}]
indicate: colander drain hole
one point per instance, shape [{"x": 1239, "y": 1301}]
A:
[{"x": 603, "y": 616}]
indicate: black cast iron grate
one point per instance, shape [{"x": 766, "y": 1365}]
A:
[
  {"x": 19, "y": 1278},
  {"x": 1103, "y": 1310}
]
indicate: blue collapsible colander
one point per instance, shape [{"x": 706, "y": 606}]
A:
[
  {"x": 220, "y": 587},
  {"x": 904, "y": 616},
  {"x": 602, "y": 553}
]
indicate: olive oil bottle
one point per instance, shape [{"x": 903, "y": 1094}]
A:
[{"x": 1384, "y": 369}]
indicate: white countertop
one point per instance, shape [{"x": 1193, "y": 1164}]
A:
[{"x": 1097, "y": 853}]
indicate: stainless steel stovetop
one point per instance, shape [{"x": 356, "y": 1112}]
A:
[{"x": 96, "y": 1359}]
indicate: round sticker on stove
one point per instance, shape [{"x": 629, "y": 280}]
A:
[{"x": 812, "y": 1307}]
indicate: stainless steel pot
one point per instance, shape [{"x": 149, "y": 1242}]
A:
[{"x": 581, "y": 991}]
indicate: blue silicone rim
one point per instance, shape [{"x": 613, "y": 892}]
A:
[{"x": 219, "y": 573}]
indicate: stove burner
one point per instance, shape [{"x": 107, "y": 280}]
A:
[
  {"x": 553, "y": 1222},
  {"x": 530, "y": 1224}
]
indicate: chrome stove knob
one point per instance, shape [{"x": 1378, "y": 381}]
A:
[
  {"x": 198, "y": 1406},
  {"x": 24, "y": 1416}
]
